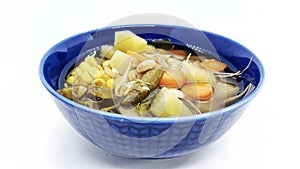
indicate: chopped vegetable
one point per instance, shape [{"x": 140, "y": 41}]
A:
[
  {"x": 110, "y": 83},
  {"x": 198, "y": 90},
  {"x": 226, "y": 90},
  {"x": 213, "y": 65},
  {"x": 67, "y": 92},
  {"x": 104, "y": 92},
  {"x": 193, "y": 73},
  {"x": 126, "y": 40},
  {"x": 148, "y": 83},
  {"x": 171, "y": 80},
  {"x": 138, "y": 56},
  {"x": 107, "y": 51},
  {"x": 166, "y": 104},
  {"x": 120, "y": 61},
  {"x": 145, "y": 65},
  {"x": 179, "y": 52},
  {"x": 143, "y": 107}
]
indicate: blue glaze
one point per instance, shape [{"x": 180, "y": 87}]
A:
[{"x": 149, "y": 137}]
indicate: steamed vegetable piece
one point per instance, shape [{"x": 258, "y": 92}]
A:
[
  {"x": 198, "y": 90},
  {"x": 149, "y": 82},
  {"x": 143, "y": 107},
  {"x": 213, "y": 65},
  {"x": 166, "y": 104},
  {"x": 120, "y": 61},
  {"x": 145, "y": 65},
  {"x": 138, "y": 56},
  {"x": 172, "y": 80},
  {"x": 179, "y": 52},
  {"x": 194, "y": 73},
  {"x": 126, "y": 40},
  {"x": 107, "y": 51},
  {"x": 226, "y": 90},
  {"x": 66, "y": 92}
]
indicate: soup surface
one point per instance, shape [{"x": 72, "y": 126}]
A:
[{"x": 158, "y": 78}]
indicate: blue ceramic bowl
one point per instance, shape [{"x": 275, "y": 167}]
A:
[{"x": 147, "y": 137}]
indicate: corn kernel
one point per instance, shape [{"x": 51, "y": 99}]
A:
[
  {"x": 70, "y": 79},
  {"x": 99, "y": 82},
  {"x": 110, "y": 83},
  {"x": 73, "y": 72},
  {"x": 98, "y": 75},
  {"x": 67, "y": 92}
]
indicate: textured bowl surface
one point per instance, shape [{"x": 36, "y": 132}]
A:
[{"x": 145, "y": 137}]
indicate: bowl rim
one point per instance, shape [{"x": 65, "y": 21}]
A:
[{"x": 204, "y": 116}]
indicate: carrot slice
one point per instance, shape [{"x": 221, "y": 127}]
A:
[
  {"x": 169, "y": 80},
  {"x": 198, "y": 90},
  {"x": 213, "y": 65},
  {"x": 179, "y": 52}
]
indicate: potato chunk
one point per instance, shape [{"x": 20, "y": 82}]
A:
[{"x": 127, "y": 40}]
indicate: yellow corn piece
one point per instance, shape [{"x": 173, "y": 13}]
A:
[
  {"x": 106, "y": 77},
  {"x": 99, "y": 75},
  {"x": 67, "y": 92},
  {"x": 70, "y": 79},
  {"x": 110, "y": 83},
  {"x": 99, "y": 82},
  {"x": 72, "y": 73},
  {"x": 86, "y": 77}
]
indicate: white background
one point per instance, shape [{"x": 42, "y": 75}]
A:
[{"x": 34, "y": 134}]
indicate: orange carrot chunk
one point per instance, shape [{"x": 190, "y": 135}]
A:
[
  {"x": 213, "y": 65},
  {"x": 198, "y": 90},
  {"x": 169, "y": 80},
  {"x": 179, "y": 52}
]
